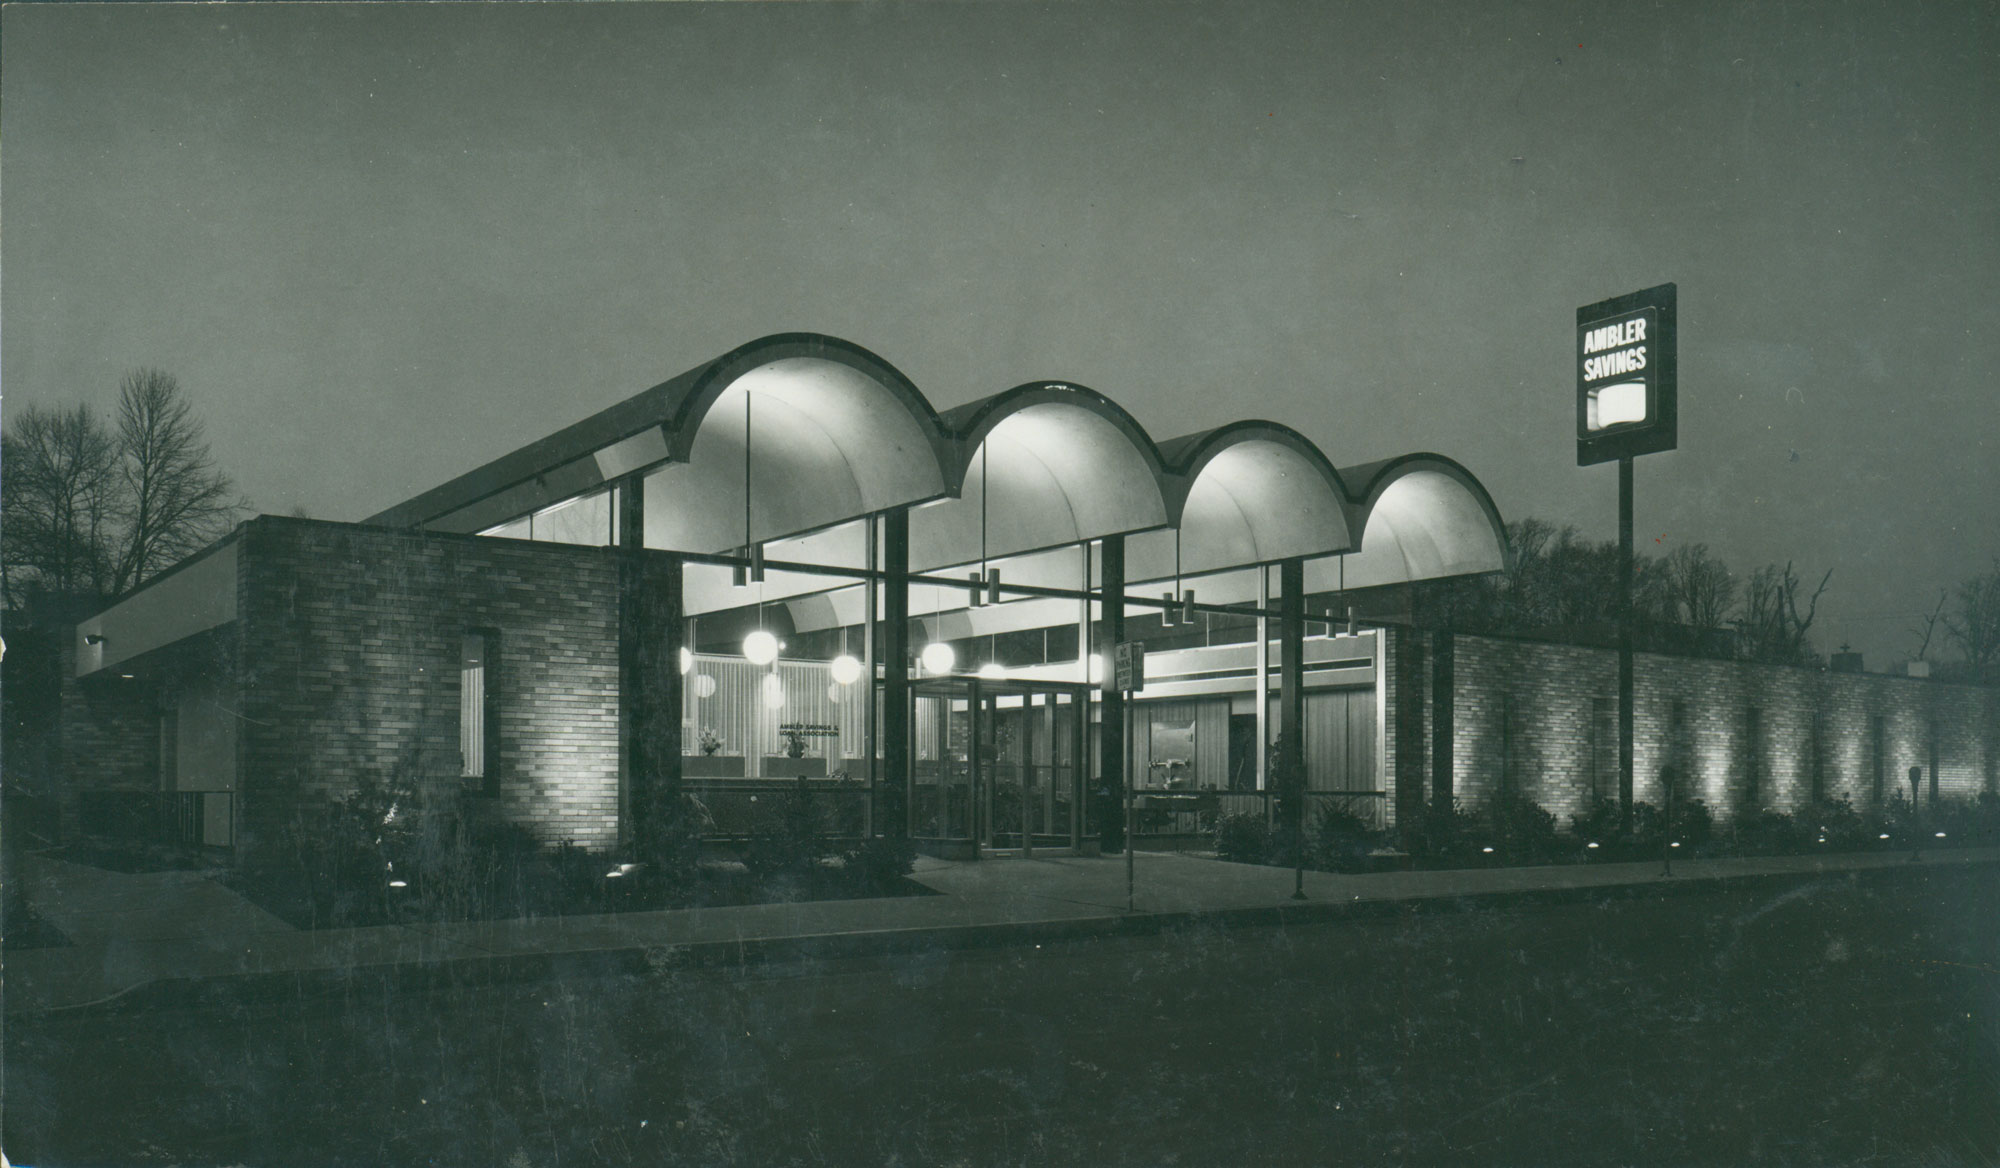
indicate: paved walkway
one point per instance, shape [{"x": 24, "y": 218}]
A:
[{"x": 170, "y": 929}]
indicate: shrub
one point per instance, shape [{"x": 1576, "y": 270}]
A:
[
  {"x": 879, "y": 860},
  {"x": 1830, "y": 824},
  {"x": 1694, "y": 823},
  {"x": 1242, "y": 839},
  {"x": 1340, "y": 838},
  {"x": 1525, "y": 829},
  {"x": 1768, "y": 833},
  {"x": 1965, "y": 822},
  {"x": 787, "y": 838}
]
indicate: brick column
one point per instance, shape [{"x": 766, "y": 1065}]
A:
[{"x": 650, "y": 636}]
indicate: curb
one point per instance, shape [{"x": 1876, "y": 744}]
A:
[{"x": 278, "y": 987}]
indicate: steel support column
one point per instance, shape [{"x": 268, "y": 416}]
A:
[
  {"x": 1111, "y": 710},
  {"x": 893, "y": 642}
]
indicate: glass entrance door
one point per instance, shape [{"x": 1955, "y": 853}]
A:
[{"x": 995, "y": 764}]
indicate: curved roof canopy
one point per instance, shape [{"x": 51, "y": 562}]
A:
[
  {"x": 1041, "y": 465},
  {"x": 834, "y": 432},
  {"x": 1422, "y": 516},
  {"x": 1247, "y": 493},
  {"x": 831, "y": 433}
]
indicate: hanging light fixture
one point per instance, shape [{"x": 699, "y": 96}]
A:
[
  {"x": 687, "y": 659},
  {"x": 774, "y": 692},
  {"x": 938, "y": 658},
  {"x": 845, "y": 669},
  {"x": 992, "y": 671},
  {"x": 739, "y": 574},
  {"x": 704, "y": 685},
  {"x": 1167, "y": 609},
  {"x": 760, "y": 648}
]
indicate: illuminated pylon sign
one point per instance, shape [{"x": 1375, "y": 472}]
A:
[{"x": 1625, "y": 365}]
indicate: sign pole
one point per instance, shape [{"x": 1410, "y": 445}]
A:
[
  {"x": 1131, "y": 841},
  {"x": 1627, "y": 404},
  {"x": 1625, "y": 787}
]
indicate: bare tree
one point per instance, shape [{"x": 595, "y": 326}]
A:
[
  {"x": 1699, "y": 589},
  {"x": 58, "y": 486},
  {"x": 1771, "y": 625},
  {"x": 174, "y": 500},
  {"x": 1930, "y": 624},
  {"x": 1973, "y": 624}
]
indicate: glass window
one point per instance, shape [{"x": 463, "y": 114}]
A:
[{"x": 472, "y": 705}]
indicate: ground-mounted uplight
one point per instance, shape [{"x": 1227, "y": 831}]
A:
[
  {"x": 845, "y": 669},
  {"x": 760, "y": 648},
  {"x": 1940, "y": 835},
  {"x": 774, "y": 692},
  {"x": 1486, "y": 849},
  {"x": 399, "y": 884},
  {"x": 938, "y": 658},
  {"x": 1591, "y": 844},
  {"x": 1884, "y": 835}
]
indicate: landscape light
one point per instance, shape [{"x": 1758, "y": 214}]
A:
[
  {"x": 760, "y": 648},
  {"x": 845, "y": 669},
  {"x": 938, "y": 658}
]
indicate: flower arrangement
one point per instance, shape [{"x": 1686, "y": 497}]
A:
[{"x": 709, "y": 741}]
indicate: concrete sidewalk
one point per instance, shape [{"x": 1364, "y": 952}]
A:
[{"x": 138, "y": 936}]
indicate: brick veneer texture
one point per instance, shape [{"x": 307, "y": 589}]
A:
[
  {"x": 351, "y": 665},
  {"x": 1812, "y": 726}
]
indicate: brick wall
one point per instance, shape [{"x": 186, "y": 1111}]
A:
[
  {"x": 1815, "y": 727},
  {"x": 350, "y": 666}
]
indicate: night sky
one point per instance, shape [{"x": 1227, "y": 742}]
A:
[{"x": 380, "y": 244}]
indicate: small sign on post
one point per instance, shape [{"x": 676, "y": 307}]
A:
[
  {"x": 1129, "y": 669},
  {"x": 1128, "y": 676}
]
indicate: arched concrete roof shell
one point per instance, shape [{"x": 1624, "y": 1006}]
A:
[
  {"x": 841, "y": 433},
  {"x": 1041, "y": 465},
  {"x": 1422, "y": 516},
  {"x": 824, "y": 394},
  {"x": 1251, "y": 492}
]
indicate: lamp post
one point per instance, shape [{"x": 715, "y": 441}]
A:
[
  {"x": 1668, "y": 780},
  {"x": 1916, "y": 820}
]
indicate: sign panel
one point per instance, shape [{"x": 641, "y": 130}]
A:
[
  {"x": 1625, "y": 373},
  {"x": 1131, "y": 667}
]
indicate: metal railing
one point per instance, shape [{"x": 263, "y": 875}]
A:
[{"x": 179, "y": 818}]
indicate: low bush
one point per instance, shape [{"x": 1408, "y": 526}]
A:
[
  {"x": 788, "y": 837},
  {"x": 1242, "y": 839},
  {"x": 1340, "y": 839},
  {"x": 1525, "y": 831},
  {"x": 879, "y": 860}
]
